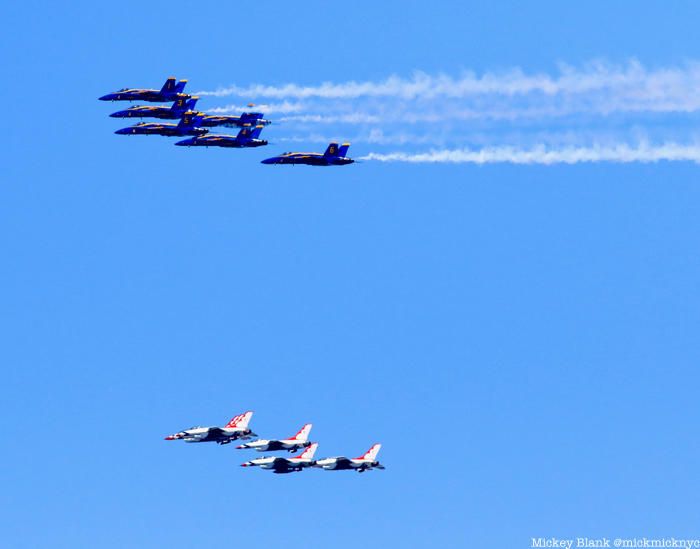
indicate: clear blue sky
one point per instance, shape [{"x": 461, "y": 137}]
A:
[{"x": 522, "y": 340}]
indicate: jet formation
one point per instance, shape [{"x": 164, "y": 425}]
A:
[
  {"x": 195, "y": 125},
  {"x": 237, "y": 429}
]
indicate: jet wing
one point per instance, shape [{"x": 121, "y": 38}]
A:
[{"x": 282, "y": 465}]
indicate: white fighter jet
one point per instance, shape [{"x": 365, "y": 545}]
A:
[
  {"x": 285, "y": 465},
  {"x": 360, "y": 464},
  {"x": 291, "y": 444},
  {"x": 235, "y": 429}
]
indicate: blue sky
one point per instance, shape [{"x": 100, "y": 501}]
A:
[{"x": 521, "y": 339}]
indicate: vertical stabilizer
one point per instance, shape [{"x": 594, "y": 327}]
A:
[
  {"x": 240, "y": 421},
  {"x": 308, "y": 453},
  {"x": 303, "y": 434},
  {"x": 371, "y": 454},
  {"x": 332, "y": 150},
  {"x": 169, "y": 85},
  {"x": 255, "y": 132}
]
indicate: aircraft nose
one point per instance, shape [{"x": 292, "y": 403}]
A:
[
  {"x": 117, "y": 114},
  {"x": 268, "y": 161},
  {"x": 107, "y": 97},
  {"x": 123, "y": 131},
  {"x": 170, "y": 437},
  {"x": 244, "y": 464},
  {"x": 184, "y": 143}
]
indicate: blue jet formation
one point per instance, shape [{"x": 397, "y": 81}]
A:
[{"x": 194, "y": 125}]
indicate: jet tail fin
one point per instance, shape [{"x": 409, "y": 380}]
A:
[
  {"x": 189, "y": 104},
  {"x": 303, "y": 434},
  {"x": 255, "y": 132},
  {"x": 245, "y": 132},
  {"x": 371, "y": 454},
  {"x": 240, "y": 421},
  {"x": 169, "y": 85},
  {"x": 343, "y": 149},
  {"x": 190, "y": 120},
  {"x": 332, "y": 150},
  {"x": 182, "y": 105},
  {"x": 180, "y": 86},
  {"x": 251, "y": 117},
  {"x": 309, "y": 452}
]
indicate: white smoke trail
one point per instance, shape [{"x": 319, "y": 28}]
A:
[
  {"x": 375, "y": 136},
  {"x": 541, "y": 154},
  {"x": 351, "y": 118},
  {"x": 286, "y": 107},
  {"x": 446, "y": 112},
  {"x": 633, "y": 81},
  {"x": 492, "y": 109}
]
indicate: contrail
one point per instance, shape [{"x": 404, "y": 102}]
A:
[
  {"x": 632, "y": 80},
  {"x": 541, "y": 154}
]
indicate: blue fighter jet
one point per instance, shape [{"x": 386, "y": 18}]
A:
[
  {"x": 245, "y": 138},
  {"x": 188, "y": 126},
  {"x": 334, "y": 156},
  {"x": 175, "y": 112},
  {"x": 246, "y": 119},
  {"x": 171, "y": 91}
]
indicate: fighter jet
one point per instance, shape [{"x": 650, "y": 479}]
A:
[
  {"x": 245, "y": 119},
  {"x": 245, "y": 138},
  {"x": 171, "y": 91},
  {"x": 174, "y": 112},
  {"x": 188, "y": 125},
  {"x": 360, "y": 464},
  {"x": 281, "y": 465},
  {"x": 334, "y": 156},
  {"x": 291, "y": 444},
  {"x": 235, "y": 429}
]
